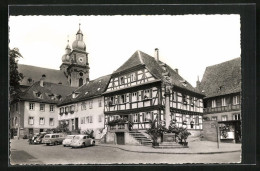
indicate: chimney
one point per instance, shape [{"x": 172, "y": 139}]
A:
[
  {"x": 156, "y": 54},
  {"x": 42, "y": 80},
  {"x": 176, "y": 70}
]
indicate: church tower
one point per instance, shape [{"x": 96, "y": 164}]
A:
[{"x": 75, "y": 62}]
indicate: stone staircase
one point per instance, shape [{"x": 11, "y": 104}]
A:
[
  {"x": 140, "y": 137},
  {"x": 171, "y": 145}
]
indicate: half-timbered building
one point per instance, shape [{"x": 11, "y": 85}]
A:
[{"x": 143, "y": 89}]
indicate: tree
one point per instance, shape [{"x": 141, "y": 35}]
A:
[{"x": 15, "y": 76}]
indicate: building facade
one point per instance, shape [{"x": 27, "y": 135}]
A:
[
  {"x": 83, "y": 109},
  {"x": 35, "y": 110},
  {"x": 145, "y": 89},
  {"x": 221, "y": 84}
]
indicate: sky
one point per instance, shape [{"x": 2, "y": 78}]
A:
[{"x": 187, "y": 42}]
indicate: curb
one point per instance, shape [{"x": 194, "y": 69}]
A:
[{"x": 216, "y": 152}]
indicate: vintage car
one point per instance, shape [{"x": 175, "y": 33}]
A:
[
  {"x": 67, "y": 141},
  {"x": 53, "y": 139},
  {"x": 82, "y": 141}
]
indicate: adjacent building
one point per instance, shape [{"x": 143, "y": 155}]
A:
[
  {"x": 221, "y": 84},
  {"x": 83, "y": 109},
  {"x": 35, "y": 110},
  {"x": 143, "y": 89}
]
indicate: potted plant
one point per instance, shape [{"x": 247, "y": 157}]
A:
[{"x": 183, "y": 135}]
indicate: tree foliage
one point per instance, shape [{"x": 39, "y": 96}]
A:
[{"x": 15, "y": 76}]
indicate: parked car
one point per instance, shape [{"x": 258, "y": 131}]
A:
[
  {"x": 82, "y": 141},
  {"x": 38, "y": 138},
  {"x": 53, "y": 139},
  {"x": 67, "y": 141}
]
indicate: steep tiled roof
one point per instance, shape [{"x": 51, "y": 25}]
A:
[
  {"x": 35, "y": 74},
  {"x": 223, "y": 78},
  {"x": 89, "y": 90},
  {"x": 49, "y": 93},
  {"x": 156, "y": 70}
]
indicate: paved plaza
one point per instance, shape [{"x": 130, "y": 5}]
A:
[{"x": 22, "y": 153}]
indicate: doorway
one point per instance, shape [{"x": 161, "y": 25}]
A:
[{"x": 120, "y": 137}]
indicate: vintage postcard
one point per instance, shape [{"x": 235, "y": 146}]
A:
[{"x": 125, "y": 89}]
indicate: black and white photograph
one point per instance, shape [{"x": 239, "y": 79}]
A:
[{"x": 125, "y": 89}]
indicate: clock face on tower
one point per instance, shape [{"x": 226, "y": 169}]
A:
[{"x": 81, "y": 60}]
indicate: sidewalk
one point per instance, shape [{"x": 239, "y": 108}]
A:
[{"x": 195, "y": 147}]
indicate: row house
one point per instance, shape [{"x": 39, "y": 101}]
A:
[
  {"x": 145, "y": 89},
  {"x": 83, "y": 109},
  {"x": 35, "y": 110},
  {"x": 221, "y": 84}
]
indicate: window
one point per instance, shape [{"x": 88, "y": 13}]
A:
[
  {"x": 51, "y": 122},
  {"x": 122, "y": 80},
  {"x": 235, "y": 100},
  {"x": 51, "y": 108},
  {"x": 214, "y": 118},
  {"x": 224, "y": 117},
  {"x": 41, "y": 121},
  {"x": 30, "y": 120},
  {"x": 100, "y": 103},
  {"x": 223, "y": 101},
  {"x": 42, "y": 107},
  {"x": 83, "y": 106},
  {"x": 236, "y": 116},
  {"x": 135, "y": 118},
  {"x": 134, "y": 97},
  {"x": 99, "y": 118},
  {"x": 61, "y": 110},
  {"x": 147, "y": 116},
  {"x": 147, "y": 94},
  {"x": 213, "y": 103},
  {"x": 122, "y": 98},
  {"x": 31, "y": 106},
  {"x": 133, "y": 77},
  {"x": 90, "y": 104},
  {"x": 90, "y": 119}
]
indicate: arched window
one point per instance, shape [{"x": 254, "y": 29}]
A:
[{"x": 80, "y": 82}]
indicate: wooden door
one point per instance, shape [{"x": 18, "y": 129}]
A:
[{"x": 120, "y": 136}]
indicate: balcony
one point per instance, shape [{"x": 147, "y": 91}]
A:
[
  {"x": 219, "y": 109},
  {"x": 118, "y": 127}
]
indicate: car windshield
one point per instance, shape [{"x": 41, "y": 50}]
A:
[
  {"x": 69, "y": 137},
  {"x": 77, "y": 137},
  {"x": 47, "y": 136}
]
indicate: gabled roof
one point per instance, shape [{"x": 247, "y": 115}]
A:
[
  {"x": 92, "y": 89},
  {"x": 35, "y": 73},
  {"x": 47, "y": 91},
  {"x": 222, "y": 79},
  {"x": 141, "y": 58}
]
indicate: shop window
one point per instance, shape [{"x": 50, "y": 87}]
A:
[
  {"x": 224, "y": 117},
  {"x": 42, "y": 107},
  {"x": 223, "y": 101},
  {"x": 41, "y": 121},
  {"x": 31, "y": 106},
  {"x": 213, "y": 103},
  {"x": 51, "y": 122},
  {"x": 236, "y": 116},
  {"x": 31, "y": 120},
  {"x": 51, "y": 108}
]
